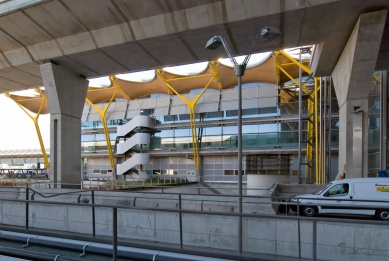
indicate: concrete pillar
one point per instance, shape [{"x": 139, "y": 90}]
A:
[
  {"x": 352, "y": 78},
  {"x": 66, "y": 94}
]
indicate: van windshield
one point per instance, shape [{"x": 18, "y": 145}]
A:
[{"x": 320, "y": 190}]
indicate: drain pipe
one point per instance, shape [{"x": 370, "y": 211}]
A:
[
  {"x": 155, "y": 255},
  {"x": 32, "y": 255},
  {"x": 95, "y": 248}
]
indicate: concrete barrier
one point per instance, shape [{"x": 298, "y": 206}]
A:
[{"x": 342, "y": 240}]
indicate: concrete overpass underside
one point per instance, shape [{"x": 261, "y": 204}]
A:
[
  {"x": 96, "y": 38},
  {"x": 59, "y": 43}
]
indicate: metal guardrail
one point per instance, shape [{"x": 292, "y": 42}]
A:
[{"x": 180, "y": 211}]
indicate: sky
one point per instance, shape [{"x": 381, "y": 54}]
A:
[{"x": 17, "y": 130}]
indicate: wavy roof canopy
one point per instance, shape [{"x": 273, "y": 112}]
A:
[
  {"x": 32, "y": 103},
  {"x": 265, "y": 72}
]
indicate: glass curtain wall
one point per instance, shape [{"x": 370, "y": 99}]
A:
[{"x": 373, "y": 123}]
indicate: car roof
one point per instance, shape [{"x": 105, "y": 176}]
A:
[{"x": 362, "y": 180}]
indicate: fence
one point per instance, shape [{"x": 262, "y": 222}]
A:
[{"x": 291, "y": 236}]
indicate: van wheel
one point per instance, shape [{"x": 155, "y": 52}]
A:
[
  {"x": 383, "y": 214},
  {"x": 309, "y": 211}
]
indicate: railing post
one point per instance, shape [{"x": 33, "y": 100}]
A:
[
  {"x": 27, "y": 207},
  {"x": 314, "y": 234},
  {"x": 179, "y": 207},
  {"x": 299, "y": 237},
  {"x": 93, "y": 214},
  {"x": 114, "y": 234}
]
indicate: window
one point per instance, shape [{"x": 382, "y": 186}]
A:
[
  {"x": 215, "y": 114},
  {"x": 338, "y": 190},
  {"x": 232, "y": 172},
  {"x": 228, "y": 172},
  {"x": 170, "y": 118},
  {"x": 147, "y": 112},
  {"x": 267, "y": 110},
  {"x": 233, "y": 113}
]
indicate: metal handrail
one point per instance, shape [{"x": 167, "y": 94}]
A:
[{"x": 181, "y": 211}]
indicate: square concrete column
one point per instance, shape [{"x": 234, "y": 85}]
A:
[
  {"x": 66, "y": 93},
  {"x": 352, "y": 79}
]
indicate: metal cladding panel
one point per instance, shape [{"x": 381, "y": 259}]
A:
[
  {"x": 176, "y": 101},
  {"x": 230, "y": 95},
  {"x": 120, "y": 106},
  {"x": 229, "y": 105},
  {"x": 94, "y": 117},
  {"x": 211, "y": 97},
  {"x": 100, "y": 106},
  {"x": 266, "y": 102},
  {"x": 135, "y": 105},
  {"x": 86, "y": 108},
  {"x": 161, "y": 111},
  {"x": 111, "y": 107},
  {"x": 115, "y": 115},
  {"x": 249, "y": 104},
  {"x": 250, "y": 93},
  {"x": 192, "y": 96},
  {"x": 267, "y": 91},
  {"x": 84, "y": 117},
  {"x": 206, "y": 107},
  {"x": 85, "y": 112},
  {"x": 177, "y": 110},
  {"x": 132, "y": 113},
  {"x": 163, "y": 102},
  {"x": 149, "y": 103}
]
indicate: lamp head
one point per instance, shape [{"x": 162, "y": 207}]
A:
[
  {"x": 213, "y": 43},
  {"x": 269, "y": 32}
]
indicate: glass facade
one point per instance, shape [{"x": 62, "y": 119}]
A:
[{"x": 263, "y": 128}]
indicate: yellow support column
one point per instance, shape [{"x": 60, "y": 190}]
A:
[
  {"x": 312, "y": 112},
  {"x": 191, "y": 105},
  {"x": 35, "y": 121},
  {"x": 102, "y": 114}
]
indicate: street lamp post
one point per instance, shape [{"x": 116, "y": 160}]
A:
[{"x": 212, "y": 44}]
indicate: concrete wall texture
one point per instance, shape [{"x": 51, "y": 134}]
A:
[{"x": 275, "y": 235}]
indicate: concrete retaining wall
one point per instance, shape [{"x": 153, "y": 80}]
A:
[
  {"x": 273, "y": 235},
  {"x": 264, "y": 236}
]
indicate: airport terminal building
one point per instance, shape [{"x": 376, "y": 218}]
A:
[{"x": 272, "y": 146}]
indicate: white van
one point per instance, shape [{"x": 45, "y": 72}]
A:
[{"x": 359, "y": 196}]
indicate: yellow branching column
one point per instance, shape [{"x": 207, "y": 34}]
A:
[
  {"x": 103, "y": 116},
  {"x": 311, "y": 134},
  {"x": 35, "y": 120},
  {"x": 191, "y": 106},
  {"x": 312, "y": 139}
]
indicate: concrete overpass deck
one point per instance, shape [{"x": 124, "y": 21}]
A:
[{"x": 96, "y": 38}]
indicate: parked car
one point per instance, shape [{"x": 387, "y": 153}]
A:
[
  {"x": 359, "y": 196},
  {"x": 42, "y": 175}
]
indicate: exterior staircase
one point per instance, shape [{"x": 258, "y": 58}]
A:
[{"x": 133, "y": 136}]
